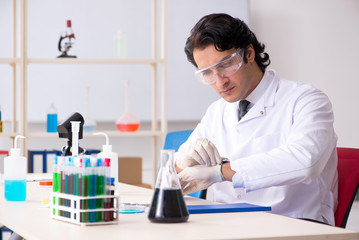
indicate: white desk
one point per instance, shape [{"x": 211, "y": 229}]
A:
[{"x": 31, "y": 221}]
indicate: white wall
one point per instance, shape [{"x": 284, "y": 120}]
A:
[
  {"x": 95, "y": 23},
  {"x": 316, "y": 42}
]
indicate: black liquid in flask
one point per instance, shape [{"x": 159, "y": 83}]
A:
[{"x": 168, "y": 205}]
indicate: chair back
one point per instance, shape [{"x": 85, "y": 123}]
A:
[
  {"x": 175, "y": 139},
  {"x": 348, "y": 183}
]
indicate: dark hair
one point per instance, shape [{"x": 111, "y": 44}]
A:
[{"x": 224, "y": 32}]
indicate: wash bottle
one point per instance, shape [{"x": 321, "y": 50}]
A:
[
  {"x": 15, "y": 174},
  {"x": 107, "y": 153}
]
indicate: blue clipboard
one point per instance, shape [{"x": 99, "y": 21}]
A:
[{"x": 223, "y": 208}]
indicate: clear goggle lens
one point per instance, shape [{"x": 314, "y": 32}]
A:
[{"x": 224, "y": 68}]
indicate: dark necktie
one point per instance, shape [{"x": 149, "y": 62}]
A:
[{"x": 243, "y": 105}]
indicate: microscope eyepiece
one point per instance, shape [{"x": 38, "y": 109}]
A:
[{"x": 64, "y": 129}]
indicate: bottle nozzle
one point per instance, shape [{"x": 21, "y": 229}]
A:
[
  {"x": 104, "y": 134},
  {"x": 107, "y": 147},
  {"x": 16, "y": 139},
  {"x": 16, "y": 151}
]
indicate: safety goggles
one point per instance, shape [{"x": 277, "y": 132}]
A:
[{"x": 224, "y": 68}]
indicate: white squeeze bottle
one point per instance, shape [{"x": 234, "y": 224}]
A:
[
  {"x": 107, "y": 153},
  {"x": 15, "y": 174}
]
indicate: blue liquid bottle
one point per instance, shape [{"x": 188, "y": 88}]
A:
[
  {"x": 51, "y": 125},
  {"x": 15, "y": 174}
]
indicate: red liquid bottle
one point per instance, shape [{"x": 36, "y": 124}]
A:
[{"x": 127, "y": 122}]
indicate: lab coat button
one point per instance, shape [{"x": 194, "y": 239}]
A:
[{"x": 261, "y": 112}]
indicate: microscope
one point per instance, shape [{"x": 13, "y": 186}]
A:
[
  {"x": 66, "y": 41},
  {"x": 65, "y": 131}
]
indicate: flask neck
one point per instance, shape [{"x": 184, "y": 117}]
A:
[{"x": 167, "y": 176}]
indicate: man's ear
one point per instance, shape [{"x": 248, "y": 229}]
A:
[{"x": 250, "y": 53}]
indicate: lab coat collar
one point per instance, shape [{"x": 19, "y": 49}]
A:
[
  {"x": 262, "y": 97},
  {"x": 261, "y": 88}
]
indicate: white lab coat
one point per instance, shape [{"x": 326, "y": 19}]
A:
[{"x": 283, "y": 149}]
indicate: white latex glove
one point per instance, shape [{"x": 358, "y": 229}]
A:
[
  {"x": 201, "y": 152},
  {"x": 193, "y": 179}
]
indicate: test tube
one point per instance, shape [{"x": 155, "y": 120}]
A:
[
  {"x": 92, "y": 187},
  {"x": 68, "y": 182},
  {"x": 81, "y": 175},
  {"x": 70, "y": 175},
  {"x": 76, "y": 178},
  {"x": 112, "y": 200},
  {"x": 100, "y": 190},
  {"x": 55, "y": 185},
  {"x": 54, "y": 175},
  {"x": 107, "y": 214},
  {"x": 82, "y": 188},
  {"x": 85, "y": 188},
  {"x": 61, "y": 163}
]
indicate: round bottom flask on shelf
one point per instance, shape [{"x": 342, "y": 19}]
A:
[
  {"x": 127, "y": 122},
  {"x": 168, "y": 205}
]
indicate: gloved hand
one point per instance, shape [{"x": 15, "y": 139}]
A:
[
  {"x": 193, "y": 179},
  {"x": 201, "y": 152}
]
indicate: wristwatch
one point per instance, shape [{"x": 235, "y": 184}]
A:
[{"x": 224, "y": 160}]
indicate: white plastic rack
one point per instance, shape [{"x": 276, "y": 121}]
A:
[{"x": 74, "y": 211}]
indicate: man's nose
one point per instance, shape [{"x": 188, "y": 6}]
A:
[{"x": 220, "y": 80}]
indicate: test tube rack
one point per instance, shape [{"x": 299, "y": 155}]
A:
[{"x": 74, "y": 211}]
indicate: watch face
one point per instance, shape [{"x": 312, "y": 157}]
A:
[{"x": 224, "y": 160}]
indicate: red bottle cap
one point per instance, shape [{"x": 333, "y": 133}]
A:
[
  {"x": 107, "y": 162},
  {"x": 69, "y": 23}
]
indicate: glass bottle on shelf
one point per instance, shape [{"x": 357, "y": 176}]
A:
[
  {"x": 120, "y": 42},
  {"x": 127, "y": 122},
  {"x": 168, "y": 205},
  {"x": 51, "y": 124}
]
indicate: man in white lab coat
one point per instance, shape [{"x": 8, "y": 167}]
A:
[{"x": 267, "y": 141}]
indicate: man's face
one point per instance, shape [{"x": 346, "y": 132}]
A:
[{"x": 232, "y": 88}]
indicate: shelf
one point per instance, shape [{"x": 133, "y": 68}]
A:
[
  {"x": 9, "y": 60},
  {"x": 20, "y": 74},
  {"x": 143, "y": 133},
  {"x": 93, "y": 61},
  {"x": 9, "y": 134}
]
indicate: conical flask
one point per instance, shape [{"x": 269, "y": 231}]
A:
[
  {"x": 168, "y": 205},
  {"x": 127, "y": 122}
]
